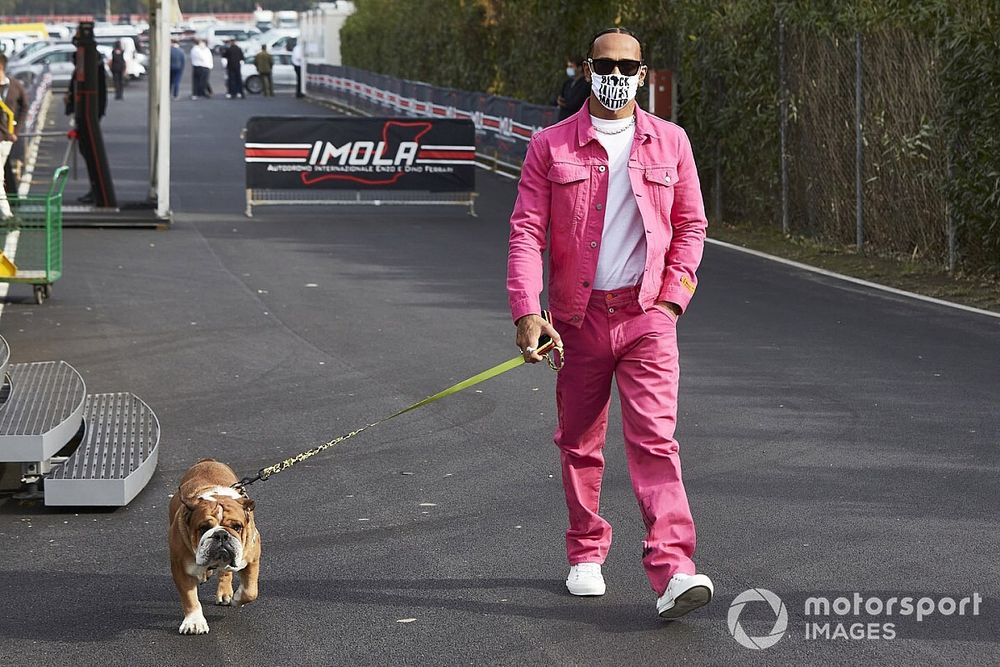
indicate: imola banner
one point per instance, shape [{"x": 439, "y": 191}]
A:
[{"x": 309, "y": 152}]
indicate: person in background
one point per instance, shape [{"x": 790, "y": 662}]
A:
[
  {"x": 575, "y": 90},
  {"x": 295, "y": 46},
  {"x": 201, "y": 65},
  {"x": 234, "y": 78},
  {"x": 117, "y": 65},
  {"x": 265, "y": 63},
  {"x": 84, "y": 137},
  {"x": 176, "y": 67},
  {"x": 13, "y": 107}
]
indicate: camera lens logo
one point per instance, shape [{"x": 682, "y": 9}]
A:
[{"x": 780, "y": 621}]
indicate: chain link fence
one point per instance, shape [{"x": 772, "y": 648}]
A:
[{"x": 900, "y": 207}]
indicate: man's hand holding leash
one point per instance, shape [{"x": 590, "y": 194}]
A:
[{"x": 530, "y": 330}]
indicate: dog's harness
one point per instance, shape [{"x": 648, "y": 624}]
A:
[{"x": 554, "y": 357}]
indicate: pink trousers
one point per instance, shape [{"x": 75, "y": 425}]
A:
[{"x": 638, "y": 349}]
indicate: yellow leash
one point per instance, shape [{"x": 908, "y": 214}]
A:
[{"x": 554, "y": 356}]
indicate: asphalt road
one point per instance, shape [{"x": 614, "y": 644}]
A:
[{"x": 835, "y": 440}]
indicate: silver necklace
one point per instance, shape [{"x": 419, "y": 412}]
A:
[{"x": 628, "y": 126}]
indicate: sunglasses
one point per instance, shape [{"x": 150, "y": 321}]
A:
[{"x": 605, "y": 66}]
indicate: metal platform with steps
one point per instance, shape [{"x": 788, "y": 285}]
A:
[
  {"x": 116, "y": 456},
  {"x": 42, "y": 412},
  {"x": 74, "y": 449}
]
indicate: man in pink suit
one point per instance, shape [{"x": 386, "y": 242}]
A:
[{"x": 612, "y": 194}]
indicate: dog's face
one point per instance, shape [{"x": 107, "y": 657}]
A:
[{"x": 220, "y": 528}]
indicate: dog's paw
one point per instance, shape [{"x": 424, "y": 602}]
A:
[
  {"x": 237, "y": 599},
  {"x": 194, "y": 624},
  {"x": 224, "y": 598}
]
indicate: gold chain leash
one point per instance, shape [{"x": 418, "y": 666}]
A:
[{"x": 554, "y": 355}]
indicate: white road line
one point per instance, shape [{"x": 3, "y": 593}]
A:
[
  {"x": 851, "y": 279},
  {"x": 488, "y": 168},
  {"x": 447, "y": 148}
]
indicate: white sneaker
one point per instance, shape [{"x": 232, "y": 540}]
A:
[
  {"x": 685, "y": 592},
  {"x": 585, "y": 579}
]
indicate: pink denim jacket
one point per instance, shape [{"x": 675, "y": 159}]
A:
[{"x": 560, "y": 199}]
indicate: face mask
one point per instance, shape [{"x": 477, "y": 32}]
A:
[
  {"x": 614, "y": 91},
  {"x": 571, "y": 72}
]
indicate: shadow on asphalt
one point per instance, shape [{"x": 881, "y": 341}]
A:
[{"x": 102, "y": 602}]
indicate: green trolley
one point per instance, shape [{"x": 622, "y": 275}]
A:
[{"x": 35, "y": 231}]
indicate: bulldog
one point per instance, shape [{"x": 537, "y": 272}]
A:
[{"x": 212, "y": 530}]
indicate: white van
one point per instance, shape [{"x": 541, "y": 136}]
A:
[
  {"x": 286, "y": 19},
  {"x": 135, "y": 62},
  {"x": 276, "y": 41},
  {"x": 59, "y": 31}
]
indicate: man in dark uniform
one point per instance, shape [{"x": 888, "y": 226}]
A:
[
  {"x": 117, "y": 65},
  {"x": 234, "y": 80},
  {"x": 90, "y": 142}
]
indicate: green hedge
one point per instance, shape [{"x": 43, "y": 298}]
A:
[
  {"x": 725, "y": 53},
  {"x": 970, "y": 37}
]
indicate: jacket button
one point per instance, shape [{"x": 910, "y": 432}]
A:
[
  {"x": 593, "y": 244},
  {"x": 611, "y": 310},
  {"x": 666, "y": 179},
  {"x": 586, "y": 284},
  {"x": 600, "y": 206},
  {"x": 576, "y": 318},
  {"x": 602, "y": 169}
]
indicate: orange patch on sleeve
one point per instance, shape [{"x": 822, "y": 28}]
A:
[{"x": 688, "y": 284}]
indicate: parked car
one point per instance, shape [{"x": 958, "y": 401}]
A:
[
  {"x": 282, "y": 74},
  {"x": 27, "y": 50},
  {"x": 59, "y": 59}
]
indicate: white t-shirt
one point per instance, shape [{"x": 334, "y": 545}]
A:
[
  {"x": 201, "y": 56},
  {"x": 623, "y": 243}
]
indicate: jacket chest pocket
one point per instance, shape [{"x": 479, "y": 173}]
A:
[
  {"x": 569, "y": 184},
  {"x": 660, "y": 183}
]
